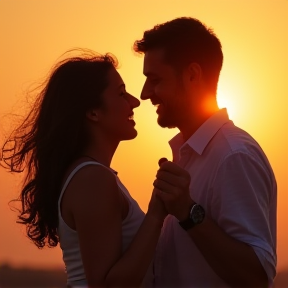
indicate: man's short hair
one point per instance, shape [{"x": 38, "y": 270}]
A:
[{"x": 185, "y": 40}]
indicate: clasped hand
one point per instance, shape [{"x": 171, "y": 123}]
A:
[{"x": 172, "y": 188}]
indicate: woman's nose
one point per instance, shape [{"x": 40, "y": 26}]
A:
[
  {"x": 134, "y": 101},
  {"x": 137, "y": 102}
]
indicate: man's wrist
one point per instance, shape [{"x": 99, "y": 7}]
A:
[
  {"x": 196, "y": 217},
  {"x": 186, "y": 212}
]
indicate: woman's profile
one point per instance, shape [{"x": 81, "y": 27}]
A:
[{"x": 70, "y": 195}]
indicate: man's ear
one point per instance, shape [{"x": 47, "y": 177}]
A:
[
  {"x": 192, "y": 76},
  {"x": 194, "y": 72},
  {"x": 92, "y": 114}
]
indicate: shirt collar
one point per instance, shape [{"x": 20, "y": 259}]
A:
[{"x": 200, "y": 139}]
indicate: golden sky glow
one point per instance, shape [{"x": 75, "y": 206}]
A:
[{"x": 253, "y": 85}]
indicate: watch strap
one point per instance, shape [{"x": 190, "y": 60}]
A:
[{"x": 187, "y": 224}]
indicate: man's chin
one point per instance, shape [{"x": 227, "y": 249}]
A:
[{"x": 165, "y": 124}]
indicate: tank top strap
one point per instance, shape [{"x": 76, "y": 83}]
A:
[{"x": 75, "y": 170}]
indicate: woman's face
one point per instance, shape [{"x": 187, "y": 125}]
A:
[{"x": 115, "y": 118}]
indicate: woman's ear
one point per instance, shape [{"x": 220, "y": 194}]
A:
[{"x": 92, "y": 115}]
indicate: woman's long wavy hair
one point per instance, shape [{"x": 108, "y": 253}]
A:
[{"x": 52, "y": 136}]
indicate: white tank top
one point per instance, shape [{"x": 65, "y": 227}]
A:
[{"x": 69, "y": 238}]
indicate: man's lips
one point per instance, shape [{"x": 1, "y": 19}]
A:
[
  {"x": 154, "y": 103},
  {"x": 158, "y": 107}
]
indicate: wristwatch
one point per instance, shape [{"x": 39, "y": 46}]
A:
[{"x": 196, "y": 216}]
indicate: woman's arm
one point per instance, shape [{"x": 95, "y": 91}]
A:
[{"x": 96, "y": 207}]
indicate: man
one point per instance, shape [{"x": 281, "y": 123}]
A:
[{"x": 224, "y": 234}]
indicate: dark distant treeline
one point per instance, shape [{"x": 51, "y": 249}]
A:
[
  {"x": 281, "y": 280},
  {"x": 11, "y": 277}
]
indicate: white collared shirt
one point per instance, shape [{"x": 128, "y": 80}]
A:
[{"x": 234, "y": 182}]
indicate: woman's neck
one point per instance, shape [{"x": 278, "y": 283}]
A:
[{"x": 101, "y": 152}]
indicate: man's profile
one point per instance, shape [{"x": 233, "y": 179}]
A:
[{"x": 234, "y": 245}]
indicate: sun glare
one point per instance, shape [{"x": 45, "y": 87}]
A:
[{"x": 225, "y": 100}]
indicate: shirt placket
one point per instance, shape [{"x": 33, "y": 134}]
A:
[{"x": 184, "y": 156}]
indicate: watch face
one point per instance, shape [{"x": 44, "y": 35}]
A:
[{"x": 197, "y": 214}]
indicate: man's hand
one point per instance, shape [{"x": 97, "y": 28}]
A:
[{"x": 172, "y": 187}]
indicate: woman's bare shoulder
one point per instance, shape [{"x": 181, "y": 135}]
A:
[{"x": 92, "y": 184}]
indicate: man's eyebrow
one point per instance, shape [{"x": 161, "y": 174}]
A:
[{"x": 149, "y": 74}]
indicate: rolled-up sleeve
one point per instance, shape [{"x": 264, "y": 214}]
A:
[{"x": 244, "y": 204}]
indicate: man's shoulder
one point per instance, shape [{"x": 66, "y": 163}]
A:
[
  {"x": 233, "y": 142},
  {"x": 235, "y": 139}
]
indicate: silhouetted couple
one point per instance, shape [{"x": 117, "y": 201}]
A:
[{"x": 211, "y": 220}]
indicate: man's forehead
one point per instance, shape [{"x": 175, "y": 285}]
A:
[
  {"x": 154, "y": 55},
  {"x": 153, "y": 60}
]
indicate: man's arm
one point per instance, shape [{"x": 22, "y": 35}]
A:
[
  {"x": 232, "y": 260},
  {"x": 241, "y": 204}
]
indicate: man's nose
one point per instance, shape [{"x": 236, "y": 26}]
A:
[{"x": 146, "y": 91}]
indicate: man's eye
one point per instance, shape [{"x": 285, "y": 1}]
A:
[{"x": 154, "y": 80}]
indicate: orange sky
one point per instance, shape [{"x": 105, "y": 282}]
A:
[{"x": 253, "y": 85}]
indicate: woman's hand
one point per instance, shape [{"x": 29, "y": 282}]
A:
[{"x": 156, "y": 207}]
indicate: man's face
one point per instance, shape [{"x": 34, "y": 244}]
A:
[{"x": 163, "y": 86}]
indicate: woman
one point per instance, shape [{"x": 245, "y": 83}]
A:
[{"x": 70, "y": 194}]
